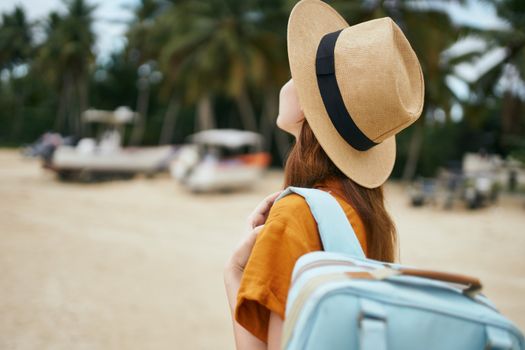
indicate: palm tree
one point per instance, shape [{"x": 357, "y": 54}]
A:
[
  {"x": 15, "y": 39},
  {"x": 144, "y": 51},
  {"x": 16, "y": 49},
  {"x": 65, "y": 57},
  {"x": 217, "y": 47},
  {"x": 510, "y": 69},
  {"x": 211, "y": 48}
]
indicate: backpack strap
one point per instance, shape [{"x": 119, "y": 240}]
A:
[
  {"x": 336, "y": 232},
  {"x": 372, "y": 326}
]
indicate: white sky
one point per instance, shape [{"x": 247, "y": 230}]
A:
[{"x": 110, "y": 18}]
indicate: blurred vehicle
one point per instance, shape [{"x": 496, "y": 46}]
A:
[
  {"x": 423, "y": 191},
  {"x": 480, "y": 186},
  {"x": 220, "y": 159},
  {"x": 474, "y": 183},
  {"x": 480, "y": 191},
  {"x": 104, "y": 158},
  {"x": 45, "y": 146}
]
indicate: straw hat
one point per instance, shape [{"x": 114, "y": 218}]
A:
[{"x": 358, "y": 86}]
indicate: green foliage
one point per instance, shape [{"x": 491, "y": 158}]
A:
[
  {"x": 439, "y": 148},
  {"x": 64, "y": 59},
  {"x": 226, "y": 44},
  {"x": 15, "y": 39},
  {"x": 24, "y": 122},
  {"x": 233, "y": 53}
]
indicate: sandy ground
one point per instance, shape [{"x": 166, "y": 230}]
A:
[{"x": 138, "y": 264}]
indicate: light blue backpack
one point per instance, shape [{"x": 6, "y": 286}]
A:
[{"x": 341, "y": 300}]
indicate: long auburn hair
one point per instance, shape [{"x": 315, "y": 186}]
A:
[{"x": 308, "y": 164}]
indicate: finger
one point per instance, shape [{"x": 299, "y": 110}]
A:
[
  {"x": 250, "y": 241},
  {"x": 257, "y": 230},
  {"x": 260, "y": 212},
  {"x": 253, "y": 233},
  {"x": 250, "y": 238},
  {"x": 257, "y": 220},
  {"x": 272, "y": 197},
  {"x": 244, "y": 249},
  {"x": 259, "y": 216},
  {"x": 267, "y": 202}
]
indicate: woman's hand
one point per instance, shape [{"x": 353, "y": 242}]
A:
[
  {"x": 238, "y": 260},
  {"x": 255, "y": 223},
  {"x": 235, "y": 268},
  {"x": 240, "y": 255}
]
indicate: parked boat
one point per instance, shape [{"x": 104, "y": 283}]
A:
[
  {"x": 220, "y": 160},
  {"x": 104, "y": 157}
]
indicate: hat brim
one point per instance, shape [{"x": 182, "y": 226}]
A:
[{"x": 309, "y": 21}]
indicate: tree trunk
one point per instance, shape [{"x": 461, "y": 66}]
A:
[
  {"x": 19, "y": 115},
  {"x": 70, "y": 106},
  {"x": 282, "y": 140},
  {"x": 205, "y": 118},
  {"x": 414, "y": 150},
  {"x": 269, "y": 127},
  {"x": 82, "y": 102},
  {"x": 60, "y": 120},
  {"x": 74, "y": 113},
  {"x": 168, "y": 125},
  {"x": 248, "y": 119},
  {"x": 268, "y": 118},
  {"x": 142, "y": 110},
  {"x": 510, "y": 118}
]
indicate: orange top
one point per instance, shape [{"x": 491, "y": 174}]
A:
[{"x": 290, "y": 232}]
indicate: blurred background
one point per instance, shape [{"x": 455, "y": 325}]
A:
[{"x": 136, "y": 136}]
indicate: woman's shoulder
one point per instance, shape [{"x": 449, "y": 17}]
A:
[
  {"x": 294, "y": 205},
  {"x": 292, "y": 214},
  {"x": 289, "y": 208},
  {"x": 293, "y": 211},
  {"x": 291, "y": 201},
  {"x": 290, "y": 226}
]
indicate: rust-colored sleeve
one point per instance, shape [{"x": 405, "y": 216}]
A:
[{"x": 290, "y": 232}]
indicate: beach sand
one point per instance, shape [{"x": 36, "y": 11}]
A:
[{"x": 138, "y": 264}]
